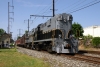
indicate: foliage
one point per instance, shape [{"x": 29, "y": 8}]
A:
[
  {"x": 87, "y": 37},
  {"x": 12, "y": 58},
  {"x": 77, "y": 29},
  {"x": 1, "y": 31},
  {"x": 18, "y": 37},
  {"x": 90, "y": 41},
  {"x": 11, "y": 40},
  {"x": 96, "y": 41},
  {"x": 87, "y": 40},
  {"x": 26, "y": 32}
]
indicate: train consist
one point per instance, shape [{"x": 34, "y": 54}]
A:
[{"x": 53, "y": 35}]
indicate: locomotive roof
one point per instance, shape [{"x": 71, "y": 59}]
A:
[{"x": 56, "y": 16}]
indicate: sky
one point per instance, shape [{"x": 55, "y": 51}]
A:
[{"x": 24, "y": 8}]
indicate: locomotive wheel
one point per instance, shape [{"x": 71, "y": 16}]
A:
[
  {"x": 49, "y": 48},
  {"x": 37, "y": 47},
  {"x": 27, "y": 46}
]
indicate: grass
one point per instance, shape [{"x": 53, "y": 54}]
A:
[
  {"x": 12, "y": 58},
  {"x": 82, "y": 47}
]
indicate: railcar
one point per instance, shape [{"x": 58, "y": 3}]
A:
[
  {"x": 18, "y": 42},
  {"x": 21, "y": 41}
]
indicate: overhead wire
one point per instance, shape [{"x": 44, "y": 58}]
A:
[
  {"x": 42, "y": 9},
  {"x": 69, "y": 5},
  {"x": 84, "y": 7},
  {"x": 56, "y": 1},
  {"x": 35, "y": 19},
  {"x": 37, "y": 11},
  {"x": 75, "y": 6},
  {"x": 48, "y": 9}
]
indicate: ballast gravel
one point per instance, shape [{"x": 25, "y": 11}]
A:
[
  {"x": 93, "y": 55},
  {"x": 56, "y": 60}
]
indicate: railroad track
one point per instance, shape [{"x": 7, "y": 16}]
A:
[
  {"x": 89, "y": 59},
  {"x": 91, "y": 52},
  {"x": 82, "y": 57}
]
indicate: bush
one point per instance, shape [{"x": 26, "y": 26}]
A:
[
  {"x": 87, "y": 40},
  {"x": 87, "y": 37},
  {"x": 96, "y": 41}
]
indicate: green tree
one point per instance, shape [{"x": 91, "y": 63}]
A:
[
  {"x": 1, "y": 31},
  {"x": 96, "y": 42},
  {"x": 77, "y": 29},
  {"x": 26, "y": 32},
  {"x": 18, "y": 37}
]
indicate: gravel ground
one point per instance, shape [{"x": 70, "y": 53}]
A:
[{"x": 56, "y": 61}]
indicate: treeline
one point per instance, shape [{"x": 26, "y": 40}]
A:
[
  {"x": 88, "y": 41},
  {"x": 2, "y": 31}
]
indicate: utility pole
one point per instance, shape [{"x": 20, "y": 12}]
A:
[
  {"x": 26, "y": 34},
  {"x": 28, "y": 23},
  {"x": 53, "y": 8},
  {"x": 9, "y": 19},
  {"x": 53, "y": 11},
  {"x": 19, "y": 32}
]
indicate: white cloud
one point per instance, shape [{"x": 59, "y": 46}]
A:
[{"x": 29, "y": 4}]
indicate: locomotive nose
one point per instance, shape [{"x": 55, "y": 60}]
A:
[
  {"x": 74, "y": 44},
  {"x": 75, "y": 47}
]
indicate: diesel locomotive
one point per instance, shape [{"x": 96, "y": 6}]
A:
[{"x": 53, "y": 35}]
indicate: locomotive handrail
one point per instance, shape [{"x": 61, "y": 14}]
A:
[
  {"x": 33, "y": 42},
  {"x": 67, "y": 34},
  {"x": 53, "y": 36}
]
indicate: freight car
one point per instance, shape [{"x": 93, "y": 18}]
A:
[
  {"x": 54, "y": 35},
  {"x": 18, "y": 42},
  {"x": 21, "y": 41}
]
